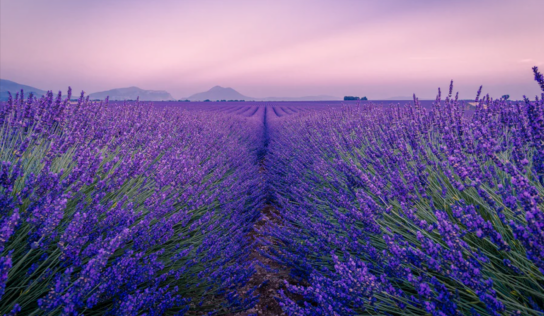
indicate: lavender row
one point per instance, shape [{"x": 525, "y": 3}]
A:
[
  {"x": 124, "y": 209},
  {"x": 411, "y": 210}
]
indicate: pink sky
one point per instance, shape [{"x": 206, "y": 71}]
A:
[{"x": 377, "y": 48}]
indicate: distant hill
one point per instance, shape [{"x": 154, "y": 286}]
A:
[
  {"x": 219, "y": 93},
  {"x": 14, "y": 87},
  {"x": 132, "y": 93}
]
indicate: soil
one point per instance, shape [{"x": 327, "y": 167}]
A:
[{"x": 268, "y": 281}]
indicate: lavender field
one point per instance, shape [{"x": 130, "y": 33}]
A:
[{"x": 136, "y": 208}]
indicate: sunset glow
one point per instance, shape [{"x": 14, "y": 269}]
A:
[{"x": 274, "y": 48}]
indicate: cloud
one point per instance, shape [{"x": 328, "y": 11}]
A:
[{"x": 530, "y": 61}]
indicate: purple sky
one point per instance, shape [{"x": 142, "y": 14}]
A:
[{"x": 377, "y": 48}]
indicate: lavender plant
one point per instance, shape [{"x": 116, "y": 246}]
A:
[
  {"x": 129, "y": 208},
  {"x": 403, "y": 210},
  {"x": 123, "y": 209}
]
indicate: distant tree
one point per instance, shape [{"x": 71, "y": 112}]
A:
[
  {"x": 223, "y": 100},
  {"x": 364, "y": 99},
  {"x": 505, "y": 97},
  {"x": 207, "y": 100},
  {"x": 242, "y": 100},
  {"x": 350, "y": 98}
]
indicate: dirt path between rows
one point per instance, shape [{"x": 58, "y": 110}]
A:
[
  {"x": 268, "y": 281},
  {"x": 270, "y": 275}
]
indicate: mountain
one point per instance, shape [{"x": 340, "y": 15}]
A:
[
  {"x": 132, "y": 93},
  {"x": 14, "y": 87},
  {"x": 219, "y": 93}
]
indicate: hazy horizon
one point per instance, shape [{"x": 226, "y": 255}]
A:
[{"x": 378, "y": 49}]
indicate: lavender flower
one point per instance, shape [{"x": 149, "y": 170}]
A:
[{"x": 539, "y": 78}]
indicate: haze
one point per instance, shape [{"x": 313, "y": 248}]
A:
[{"x": 380, "y": 49}]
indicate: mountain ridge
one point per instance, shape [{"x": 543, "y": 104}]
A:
[
  {"x": 14, "y": 87},
  {"x": 132, "y": 93},
  {"x": 221, "y": 93}
]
